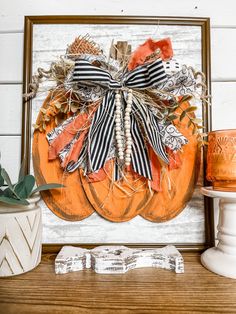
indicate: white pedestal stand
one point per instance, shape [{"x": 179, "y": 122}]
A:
[{"x": 222, "y": 258}]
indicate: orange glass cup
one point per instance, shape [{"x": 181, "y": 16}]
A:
[{"x": 221, "y": 160}]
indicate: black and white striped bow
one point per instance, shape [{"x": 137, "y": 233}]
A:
[
  {"x": 143, "y": 77},
  {"x": 101, "y": 133}
]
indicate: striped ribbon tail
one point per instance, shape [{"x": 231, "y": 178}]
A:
[
  {"x": 72, "y": 166},
  {"x": 139, "y": 155},
  {"x": 101, "y": 133},
  {"x": 117, "y": 175},
  {"x": 151, "y": 128}
]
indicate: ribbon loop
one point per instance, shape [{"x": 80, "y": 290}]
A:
[
  {"x": 86, "y": 73},
  {"x": 145, "y": 76}
]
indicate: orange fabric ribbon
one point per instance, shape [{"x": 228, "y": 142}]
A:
[
  {"x": 174, "y": 159},
  {"x": 100, "y": 175},
  {"x": 67, "y": 135},
  {"x": 150, "y": 46},
  {"x": 174, "y": 163},
  {"x": 76, "y": 149},
  {"x": 156, "y": 171}
]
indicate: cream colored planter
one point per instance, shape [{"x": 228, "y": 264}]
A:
[{"x": 20, "y": 237}]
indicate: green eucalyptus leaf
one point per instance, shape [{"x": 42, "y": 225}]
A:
[
  {"x": 7, "y": 179},
  {"x": 172, "y": 109},
  {"x": 164, "y": 111},
  {"x": 8, "y": 193},
  {"x": 191, "y": 109},
  {"x": 194, "y": 131},
  {"x": 46, "y": 187},
  {"x": 22, "y": 171},
  {"x": 24, "y": 188},
  {"x": 1, "y": 178},
  {"x": 13, "y": 201},
  {"x": 196, "y": 120},
  {"x": 185, "y": 98},
  {"x": 183, "y": 114},
  {"x": 172, "y": 117}
]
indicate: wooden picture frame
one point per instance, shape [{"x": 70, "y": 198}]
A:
[{"x": 202, "y": 24}]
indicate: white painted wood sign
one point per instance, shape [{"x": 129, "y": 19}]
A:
[{"x": 117, "y": 259}]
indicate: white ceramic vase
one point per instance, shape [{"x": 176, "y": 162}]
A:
[{"x": 20, "y": 237}]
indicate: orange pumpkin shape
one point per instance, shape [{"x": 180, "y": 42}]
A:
[
  {"x": 177, "y": 185},
  {"x": 70, "y": 202},
  {"x": 117, "y": 201}
]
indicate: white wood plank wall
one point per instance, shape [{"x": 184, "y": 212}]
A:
[{"x": 223, "y": 51}]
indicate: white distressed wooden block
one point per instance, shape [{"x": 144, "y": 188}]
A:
[
  {"x": 71, "y": 259},
  {"x": 117, "y": 259}
]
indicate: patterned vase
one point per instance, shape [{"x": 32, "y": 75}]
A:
[
  {"x": 221, "y": 160},
  {"x": 20, "y": 237}
]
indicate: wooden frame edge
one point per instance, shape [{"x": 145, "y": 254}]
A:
[
  {"x": 204, "y": 22},
  {"x": 26, "y": 104}
]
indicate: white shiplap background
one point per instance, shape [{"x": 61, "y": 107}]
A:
[{"x": 223, "y": 51}]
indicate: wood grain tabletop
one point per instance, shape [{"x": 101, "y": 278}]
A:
[{"x": 139, "y": 291}]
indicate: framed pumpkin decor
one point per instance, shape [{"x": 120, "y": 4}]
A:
[{"x": 115, "y": 108}]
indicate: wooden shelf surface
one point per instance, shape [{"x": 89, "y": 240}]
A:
[{"x": 139, "y": 291}]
